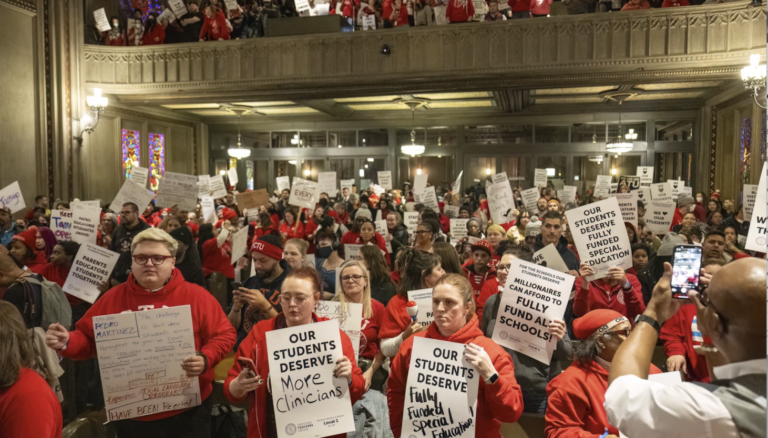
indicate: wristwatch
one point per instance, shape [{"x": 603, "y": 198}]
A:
[
  {"x": 491, "y": 380},
  {"x": 647, "y": 319}
]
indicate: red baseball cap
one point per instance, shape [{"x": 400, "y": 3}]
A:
[{"x": 483, "y": 245}]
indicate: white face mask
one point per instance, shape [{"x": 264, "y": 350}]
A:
[{"x": 699, "y": 199}]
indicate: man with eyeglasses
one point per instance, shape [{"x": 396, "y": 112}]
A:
[
  {"x": 155, "y": 283},
  {"x": 259, "y": 298},
  {"x": 122, "y": 238},
  {"x": 731, "y": 312}
]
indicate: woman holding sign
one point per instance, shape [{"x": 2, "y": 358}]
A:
[
  {"x": 301, "y": 292},
  {"x": 291, "y": 228},
  {"x": 499, "y": 396}
]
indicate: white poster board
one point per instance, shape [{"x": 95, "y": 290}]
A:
[
  {"x": 385, "y": 176},
  {"x": 302, "y": 360},
  {"x": 222, "y": 237},
  {"x": 550, "y": 258},
  {"x": 530, "y": 198},
  {"x": 131, "y": 192},
  {"x": 451, "y": 211},
  {"x": 90, "y": 269},
  {"x": 661, "y": 192},
  {"x": 429, "y": 199},
  {"x": 140, "y": 357},
  {"x": 203, "y": 186},
  {"x": 658, "y": 216},
  {"x": 600, "y": 236},
  {"x": 85, "y": 223},
  {"x": 303, "y": 193},
  {"x": 533, "y": 297},
  {"x": 232, "y": 176},
  {"x": 302, "y": 5},
  {"x": 369, "y": 22},
  {"x": 350, "y": 319},
  {"x": 411, "y": 221},
  {"x": 140, "y": 175},
  {"x": 644, "y": 194},
  {"x": 458, "y": 230},
  {"x": 750, "y": 194},
  {"x": 231, "y": 5},
  {"x": 419, "y": 184},
  {"x": 646, "y": 175},
  {"x": 501, "y": 202},
  {"x": 208, "y": 207},
  {"x": 283, "y": 183},
  {"x": 756, "y": 238},
  {"x": 178, "y": 8},
  {"x": 540, "y": 178},
  {"x": 102, "y": 23},
  {"x": 567, "y": 194},
  {"x": 239, "y": 244},
  {"x": 383, "y": 230},
  {"x": 628, "y": 206},
  {"x": 61, "y": 224},
  {"x": 602, "y": 186},
  {"x": 677, "y": 187},
  {"x": 448, "y": 398},
  {"x": 12, "y": 198},
  {"x": 456, "y": 188},
  {"x": 218, "y": 189},
  {"x": 179, "y": 190},
  {"x": 423, "y": 297},
  {"x": 326, "y": 183},
  {"x": 352, "y": 252}
]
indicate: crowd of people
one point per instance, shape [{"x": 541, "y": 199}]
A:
[
  {"x": 296, "y": 256},
  {"x": 212, "y": 20}
]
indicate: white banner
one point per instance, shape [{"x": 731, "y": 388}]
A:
[
  {"x": 456, "y": 188},
  {"x": 423, "y": 298},
  {"x": 658, "y": 216},
  {"x": 602, "y": 186},
  {"x": 239, "y": 245},
  {"x": 540, "y": 178},
  {"x": 61, "y": 224},
  {"x": 12, "y": 198},
  {"x": 303, "y": 193},
  {"x": 550, "y": 258},
  {"x": 441, "y": 391},
  {"x": 102, "y": 23},
  {"x": 600, "y": 236},
  {"x": 750, "y": 194},
  {"x": 757, "y": 231},
  {"x": 646, "y": 175},
  {"x": 533, "y": 297},
  {"x": 283, "y": 183},
  {"x": 661, "y": 192},
  {"x": 140, "y": 175},
  {"x": 131, "y": 192},
  {"x": 90, "y": 269},
  {"x": 350, "y": 319},
  {"x": 530, "y": 198},
  {"x": 179, "y": 190},
  {"x": 326, "y": 183},
  {"x": 232, "y": 176},
  {"x": 628, "y": 206},
  {"x": 218, "y": 189},
  {"x": 308, "y": 401},
  {"x": 567, "y": 194},
  {"x": 140, "y": 357},
  {"x": 385, "y": 176},
  {"x": 85, "y": 223}
]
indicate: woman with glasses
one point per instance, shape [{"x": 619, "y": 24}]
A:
[
  {"x": 382, "y": 287},
  {"x": 356, "y": 288},
  {"x": 499, "y": 398},
  {"x": 155, "y": 283},
  {"x": 300, "y": 294},
  {"x": 421, "y": 270},
  {"x": 576, "y": 396},
  {"x": 425, "y": 234},
  {"x": 107, "y": 226}
]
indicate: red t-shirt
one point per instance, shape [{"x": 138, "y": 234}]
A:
[{"x": 29, "y": 408}]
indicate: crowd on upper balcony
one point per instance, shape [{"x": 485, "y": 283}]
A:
[{"x": 218, "y": 20}]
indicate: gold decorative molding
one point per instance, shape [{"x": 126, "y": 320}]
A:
[{"x": 23, "y": 6}]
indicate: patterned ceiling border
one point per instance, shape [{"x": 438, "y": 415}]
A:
[{"x": 26, "y": 6}]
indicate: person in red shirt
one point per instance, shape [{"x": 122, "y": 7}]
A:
[
  {"x": 499, "y": 397},
  {"x": 292, "y": 228},
  {"x": 314, "y": 226},
  {"x": 460, "y": 11},
  {"x": 265, "y": 226},
  {"x": 216, "y": 258},
  {"x": 684, "y": 205},
  {"x": 395, "y": 13},
  {"x": 674, "y": 3},
  {"x": 576, "y": 397},
  {"x": 154, "y": 33},
  {"x": 150, "y": 217},
  {"x": 226, "y": 214},
  {"x": 22, "y": 248},
  {"x": 493, "y": 12},
  {"x": 155, "y": 283},
  {"x": 617, "y": 291},
  {"x": 635, "y": 5},
  {"x": 28, "y": 405},
  {"x": 301, "y": 292},
  {"x": 58, "y": 269},
  {"x": 116, "y": 35},
  {"x": 215, "y": 25},
  {"x": 479, "y": 271},
  {"x": 520, "y": 8}
]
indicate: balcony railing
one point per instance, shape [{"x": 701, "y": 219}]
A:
[{"x": 707, "y": 41}]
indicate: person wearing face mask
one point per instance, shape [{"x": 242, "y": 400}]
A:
[
  {"x": 314, "y": 226},
  {"x": 327, "y": 260},
  {"x": 499, "y": 398},
  {"x": 136, "y": 29},
  {"x": 420, "y": 270},
  {"x": 576, "y": 397},
  {"x": 154, "y": 32},
  {"x": 115, "y": 36}
]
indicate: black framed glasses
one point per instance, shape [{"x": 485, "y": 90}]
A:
[
  {"x": 502, "y": 268},
  {"x": 705, "y": 301},
  {"x": 157, "y": 260},
  {"x": 355, "y": 278},
  {"x": 420, "y": 232}
]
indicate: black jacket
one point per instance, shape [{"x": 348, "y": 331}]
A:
[
  {"x": 562, "y": 248},
  {"x": 121, "y": 243},
  {"x": 399, "y": 240}
]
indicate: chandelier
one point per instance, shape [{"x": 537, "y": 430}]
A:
[
  {"x": 621, "y": 145},
  {"x": 753, "y": 77},
  {"x": 413, "y": 149},
  {"x": 239, "y": 152},
  {"x": 595, "y": 158}
]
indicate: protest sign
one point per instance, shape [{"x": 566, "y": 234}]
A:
[
  {"x": 429, "y": 199},
  {"x": 326, "y": 183},
  {"x": 179, "y": 190},
  {"x": 383, "y": 230},
  {"x": 92, "y": 204},
  {"x": 614, "y": 187},
  {"x": 208, "y": 207},
  {"x": 456, "y": 188},
  {"x": 644, "y": 194},
  {"x": 378, "y": 190},
  {"x": 218, "y": 189},
  {"x": 348, "y": 183},
  {"x": 85, "y": 223},
  {"x": 232, "y": 176},
  {"x": 686, "y": 191},
  {"x": 530, "y": 198},
  {"x": 308, "y": 401},
  {"x": 750, "y": 194},
  {"x": 203, "y": 186},
  {"x": 61, "y": 224},
  {"x": 441, "y": 391},
  {"x": 423, "y": 298},
  {"x": 231, "y": 5},
  {"x": 140, "y": 356},
  {"x": 369, "y": 22},
  {"x": 385, "y": 179},
  {"x": 131, "y": 192},
  {"x": 550, "y": 258},
  {"x": 532, "y": 298},
  {"x": 102, "y": 23},
  {"x": 658, "y": 216},
  {"x": 661, "y": 192},
  {"x": 419, "y": 184},
  {"x": 90, "y": 269},
  {"x": 628, "y": 206},
  {"x": 567, "y": 194},
  {"x": 352, "y": 252},
  {"x": 451, "y": 211},
  {"x": 140, "y": 175},
  {"x": 600, "y": 236},
  {"x": 253, "y": 216},
  {"x": 222, "y": 237},
  {"x": 630, "y": 182},
  {"x": 350, "y": 320},
  {"x": 283, "y": 183},
  {"x": 239, "y": 244},
  {"x": 646, "y": 175},
  {"x": 602, "y": 186},
  {"x": 677, "y": 187},
  {"x": 411, "y": 220},
  {"x": 178, "y": 8},
  {"x": 302, "y": 5},
  {"x": 501, "y": 202},
  {"x": 252, "y": 200},
  {"x": 540, "y": 178},
  {"x": 458, "y": 230},
  {"x": 11, "y": 198},
  {"x": 756, "y": 238},
  {"x": 303, "y": 193}
]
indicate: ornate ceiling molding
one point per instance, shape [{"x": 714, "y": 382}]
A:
[{"x": 23, "y": 6}]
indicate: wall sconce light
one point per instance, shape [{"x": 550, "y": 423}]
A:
[
  {"x": 362, "y": 173},
  {"x": 97, "y": 104},
  {"x": 418, "y": 171},
  {"x": 306, "y": 172},
  {"x": 487, "y": 170}
]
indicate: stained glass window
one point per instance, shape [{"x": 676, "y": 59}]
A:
[
  {"x": 249, "y": 174},
  {"x": 131, "y": 145},
  {"x": 156, "y": 160},
  {"x": 746, "y": 149}
]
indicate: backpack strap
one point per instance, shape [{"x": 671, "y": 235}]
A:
[{"x": 29, "y": 310}]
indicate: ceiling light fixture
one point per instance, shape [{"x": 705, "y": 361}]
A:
[
  {"x": 595, "y": 158},
  {"x": 753, "y": 77},
  {"x": 487, "y": 170},
  {"x": 413, "y": 149},
  {"x": 370, "y": 160},
  {"x": 620, "y": 145},
  {"x": 418, "y": 171},
  {"x": 239, "y": 152}
]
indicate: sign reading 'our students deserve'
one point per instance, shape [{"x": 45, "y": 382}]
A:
[
  {"x": 600, "y": 236},
  {"x": 307, "y": 399}
]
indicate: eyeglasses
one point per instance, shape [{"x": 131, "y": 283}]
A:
[
  {"x": 354, "y": 278},
  {"x": 502, "y": 267},
  {"x": 287, "y": 298},
  {"x": 704, "y": 299},
  {"x": 420, "y": 232},
  {"x": 157, "y": 260},
  {"x": 625, "y": 332}
]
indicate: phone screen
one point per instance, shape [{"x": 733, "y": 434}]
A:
[{"x": 686, "y": 268}]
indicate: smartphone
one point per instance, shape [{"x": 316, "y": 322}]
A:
[
  {"x": 686, "y": 268},
  {"x": 247, "y": 363},
  {"x": 236, "y": 285}
]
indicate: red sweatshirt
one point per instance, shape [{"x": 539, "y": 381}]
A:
[
  {"x": 217, "y": 259},
  {"x": 396, "y": 320},
  {"x": 490, "y": 288},
  {"x": 680, "y": 335},
  {"x": 629, "y": 304},
  {"x": 520, "y": 5},
  {"x": 353, "y": 238},
  {"x": 254, "y": 347},
  {"x": 214, "y": 28},
  {"x": 369, "y": 341},
  {"x": 575, "y": 404},
  {"x": 477, "y": 280},
  {"x": 214, "y": 335},
  {"x": 37, "y": 265},
  {"x": 501, "y": 401},
  {"x": 295, "y": 231},
  {"x": 158, "y": 33},
  {"x": 29, "y": 408},
  {"x": 458, "y": 12},
  {"x": 309, "y": 229},
  {"x": 58, "y": 275}
]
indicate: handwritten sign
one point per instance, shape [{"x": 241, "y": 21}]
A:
[
  {"x": 441, "y": 391},
  {"x": 140, "y": 175},
  {"x": 423, "y": 298},
  {"x": 217, "y": 187},
  {"x": 231, "y": 5},
  {"x": 646, "y": 175},
  {"x": 352, "y": 252},
  {"x": 239, "y": 244},
  {"x": 661, "y": 192},
  {"x": 628, "y": 206},
  {"x": 501, "y": 202},
  {"x": 85, "y": 223},
  {"x": 90, "y": 269},
  {"x": 208, "y": 207},
  {"x": 429, "y": 199},
  {"x": 539, "y": 178},
  {"x": 308, "y": 401},
  {"x": 533, "y": 297},
  {"x": 456, "y": 188},
  {"x": 140, "y": 356},
  {"x": 326, "y": 183},
  {"x": 11, "y": 198},
  {"x": 178, "y": 8},
  {"x": 283, "y": 183},
  {"x": 61, "y": 224},
  {"x": 203, "y": 186},
  {"x": 756, "y": 238},
  {"x": 530, "y": 198},
  {"x": 411, "y": 220},
  {"x": 179, "y": 190},
  {"x": 350, "y": 319},
  {"x": 550, "y": 258},
  {"x": 131, "y": 192},
  {"x": 600, "y": 236},
  {"x": 102, "y": 23},
  {"x": 750, "y": 194},
  {"x": 232, "y": 177},
  {"x": 602, "y": 186},
  {"x": 303, "y": 193},
  {"x": 252, "y": 200}
]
